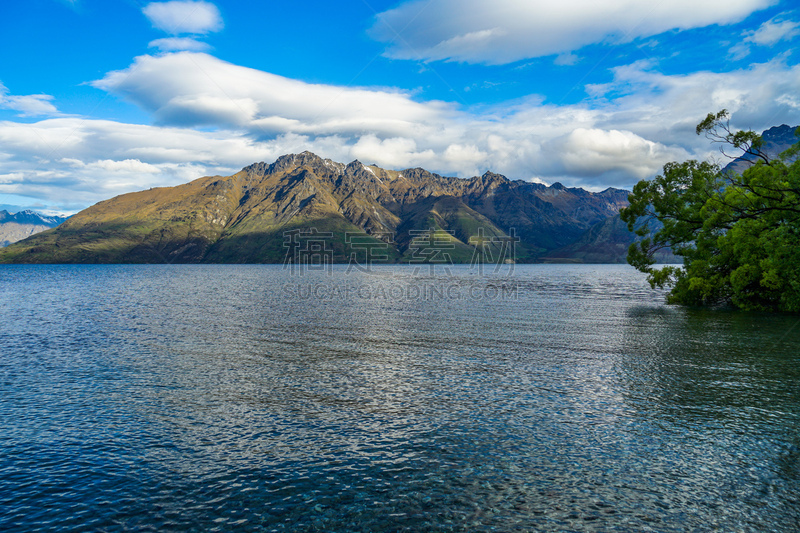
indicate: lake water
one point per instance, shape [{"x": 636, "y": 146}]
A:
[{"x": 550, "y": 398}]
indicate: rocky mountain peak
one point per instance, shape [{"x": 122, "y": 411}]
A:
[
  {"x": 776, "y": 140},
  {"x": 783, "y": 134},
  {"x": 490, "y": 176},
  {"x": 297, "y": 160},
  {"x": 293, "y": 161},
  {"x": 354, "y": 166}
]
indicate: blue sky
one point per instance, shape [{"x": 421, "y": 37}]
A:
[{"x": 103, "y": 97}]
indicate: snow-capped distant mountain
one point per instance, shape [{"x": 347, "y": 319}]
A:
[{"x": 18, "y": 226}]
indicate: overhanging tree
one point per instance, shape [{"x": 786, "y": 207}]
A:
[{"x": 738, "y": 234}]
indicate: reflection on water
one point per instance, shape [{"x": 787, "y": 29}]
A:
[{"x": 557, "y": 398}]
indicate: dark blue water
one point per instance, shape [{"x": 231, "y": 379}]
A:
[{"x": 553, "y": 398}]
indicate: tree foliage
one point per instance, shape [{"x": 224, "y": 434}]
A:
[{"x": 738, "y": 234}]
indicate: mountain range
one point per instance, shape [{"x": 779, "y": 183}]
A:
[
  {"x": 306, "y": 208},
  {"x": 18, "y": 226},
  {"x": 304, "y": 203}
]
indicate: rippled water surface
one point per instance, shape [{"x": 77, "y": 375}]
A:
[{"x": 552, "y": 398}]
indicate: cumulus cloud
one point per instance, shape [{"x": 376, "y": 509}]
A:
[
  {"x": 465, "y": 159},
  {"x": 609, "y": 153},
  {"x": 184, "y": 17},
  {"x": 30, "y": 105},
  {"x": 504, "y": 31},
  {"x": 396, "y": 152},
  {"x": 667, "y": 108}
]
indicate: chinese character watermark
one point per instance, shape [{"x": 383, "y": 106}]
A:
[
  {"x": 373, "y": 247},
  {"x": 428, "y": 247},
  {"x": 505, "y": 247},
  {"x": 308, "y": 249}
]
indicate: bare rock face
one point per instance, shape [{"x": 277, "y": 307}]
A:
[{"x": 245, "y": 217}]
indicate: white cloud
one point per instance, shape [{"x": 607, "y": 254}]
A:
[
  {"x": 566, "y": 59},
  {"x": 773, "y": 31},
  {"x": 256, "y": 116},
  {"x": 184, "y": 17},
  {"x": 589, "y": 152},
  {"x": 392, "y": 153},
  {"x": 30, "y": 105},
  {"x": 190, "y": 89},
  {"x": 72, "y": 162},
  {"x": 769, "y": 33},
  {"x": 133, "y": 166},
  {"x": 738, "y": 51},
  {"x": 464, "y": 159},
  {"x": 175, "y": 44},
  {"x": 504, "y": 31},
  {"x": 667, "y": 107}
]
